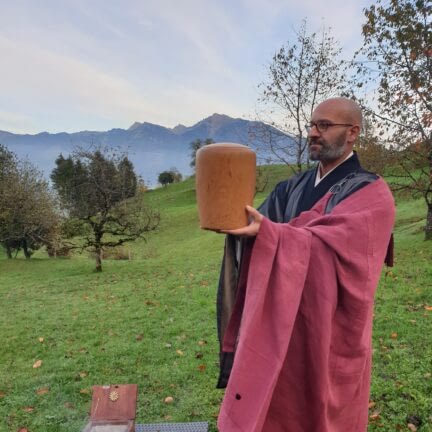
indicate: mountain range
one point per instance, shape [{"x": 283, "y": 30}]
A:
[{"x": 151, "y": 148}]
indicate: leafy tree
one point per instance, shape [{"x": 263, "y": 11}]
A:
[
  {"x": 177, "y": 174},
  {"x": 301, "y": 74},
  {"x": 170, "y": 176},
  {"x": 374, "y": 156},
  {"x": 165, "y": 178},
  {"x": 127, "y": 177},
  {"x": 8, "y": 177},
  {"x": 195, "y": 146},
  {"x": 398, "y": 55},
  {"x": 98, "y": 189},
  {"x": 28, "y": 215}
]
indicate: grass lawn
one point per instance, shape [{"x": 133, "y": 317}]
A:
[{"x": 151, "y": 321}]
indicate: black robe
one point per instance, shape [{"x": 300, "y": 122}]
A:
[{"x": 288, "y": 199}]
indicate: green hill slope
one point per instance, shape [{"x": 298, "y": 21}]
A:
[{"x": 151, "y": 321}]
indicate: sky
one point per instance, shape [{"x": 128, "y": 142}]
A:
[{"x": 73, "y": 65}]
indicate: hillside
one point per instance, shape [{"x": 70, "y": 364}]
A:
[{"x": 151, "y": 321}]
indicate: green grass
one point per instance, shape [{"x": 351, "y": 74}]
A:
[
  {"x": 402, "y": 367},
  {"x": 151, "y": 321}
]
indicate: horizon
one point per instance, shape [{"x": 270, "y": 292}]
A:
[{"x": 128, "y": 128}]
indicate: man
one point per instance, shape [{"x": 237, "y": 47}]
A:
[{"x": 295, "y": 319}]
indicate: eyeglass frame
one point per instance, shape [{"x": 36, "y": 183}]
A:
[{"x": 323, "y": 125}]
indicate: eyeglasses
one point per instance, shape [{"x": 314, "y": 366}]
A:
[{"x": 322, "y": 125}]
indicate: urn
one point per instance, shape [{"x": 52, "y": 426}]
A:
[{"x": 225, "y": 184}]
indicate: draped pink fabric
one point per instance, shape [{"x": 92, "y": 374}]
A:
[{"x": 301, "y": 328}]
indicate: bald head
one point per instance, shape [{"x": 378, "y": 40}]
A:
[
  {"x": 335, "y": 126},
  {"x": 346, "y": 110}
]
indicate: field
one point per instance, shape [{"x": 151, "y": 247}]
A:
[{"x": 151, "y": 321}]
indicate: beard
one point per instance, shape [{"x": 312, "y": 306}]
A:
[{"x": 326, "y": 151}]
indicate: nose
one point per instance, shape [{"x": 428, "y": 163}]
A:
[{"x": 313, "y": 131}]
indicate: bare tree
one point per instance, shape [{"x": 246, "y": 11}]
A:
[{"x": 301, "y": 74}]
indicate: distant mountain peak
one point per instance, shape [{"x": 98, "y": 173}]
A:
[
  {"x": 218, "y": 118},
  {"x": 180, "y": 128},
  {"x": 134, "y": 126}
]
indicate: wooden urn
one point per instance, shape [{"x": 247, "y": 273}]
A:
[{"x": 225, "y": 184}]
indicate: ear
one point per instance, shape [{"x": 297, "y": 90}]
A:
[{"x": 353, "y": 133}]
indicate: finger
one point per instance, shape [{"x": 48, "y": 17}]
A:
[
  {"x": 254, "y": 213},
  {"x": 239, "y": 231},
  {"x": 246, "y": 231}
]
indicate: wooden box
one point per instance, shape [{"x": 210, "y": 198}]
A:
[{"x": 113, "y": 409}]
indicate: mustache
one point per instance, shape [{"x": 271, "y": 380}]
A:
[{"x": 314, "y": 140}]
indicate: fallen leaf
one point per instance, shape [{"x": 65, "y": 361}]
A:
[
  {"x": 85, "y": 391},
  {"x": 202, "y": 343},
  {"x": 169, "y": 400},
  {"x": 139, "y": 337},
  {"x": 168, "y": 417},
  {"x": 2, "y": 395},
  {"x": 375, "y": 415},
  {"x": 414, "y": 420},
  {"x": 28, "y": 409},
  {"x": 41, "y": 339},
  {"x": 23, "y": 429},
  {"x": 371, "y": 404},
  {"x": 69, "y": 405},
  {"x": 82, "y": 375},
  {"x": 202, "y": 367},
  {"x": 180, "y": 352},
  {"x": 199, "y": 355},
  {"x": 42, "y": 390},
  {"x": 38, "y": 364},
  {"x": 412, "y": 427},
  {"x": 394, "y": 335},
  {"x": 168, "y": 345},
  {"x": 428, "y": 308}
]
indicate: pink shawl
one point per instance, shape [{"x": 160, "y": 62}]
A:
[{"x": 301, "y": 328}]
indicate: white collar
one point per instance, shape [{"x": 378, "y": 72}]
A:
[{"x": 318, "y": 177}]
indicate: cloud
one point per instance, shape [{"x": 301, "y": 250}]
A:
[
  {"x": 10, "y": 121},
  {"x": 56, "y": 81}
]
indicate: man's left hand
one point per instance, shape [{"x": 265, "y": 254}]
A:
[{"x": 252, "y": 229}]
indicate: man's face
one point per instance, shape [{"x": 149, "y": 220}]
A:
[{"x": 327, "y": 146}]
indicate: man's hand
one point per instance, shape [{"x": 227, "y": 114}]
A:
[{"x": 252, "y": 229}]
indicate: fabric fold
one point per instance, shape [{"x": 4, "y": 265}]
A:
[{"x": 301, "y": 329}]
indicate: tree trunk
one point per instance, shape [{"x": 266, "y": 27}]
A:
[
  {"x": 27, "y": 253},
  {"x": 98, "y": 234},
  {"x": 428, "y": 227},
  {"x": 98, "y": 252},
  {"x": 8, "y": 252}
]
